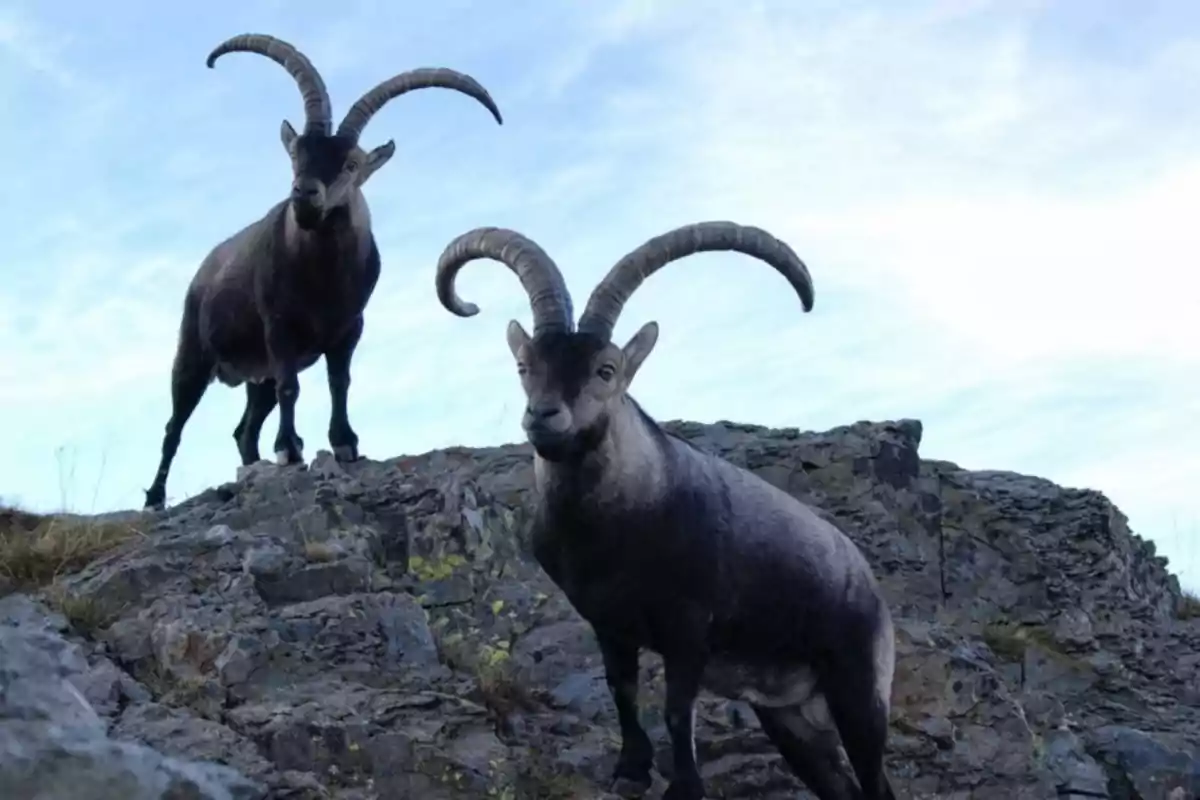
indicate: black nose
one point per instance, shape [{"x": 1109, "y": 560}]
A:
[
  {"x": 543, "y": 413},
  {"x": 306, "y": 190}
]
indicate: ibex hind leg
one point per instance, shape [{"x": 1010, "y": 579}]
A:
[
  {"x": 808, "y": 742},
  {"x": 860, "y": 711},
  {"x": 190, "y": 376}
]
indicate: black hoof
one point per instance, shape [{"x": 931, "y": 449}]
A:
[
  {"x": 630, "y": 787},
  {"x": 684, "y": 790},
  {"x": 288, "y": 457},
  {"x": 249, "y": 455},
  {"x": 155, "y": 500}
]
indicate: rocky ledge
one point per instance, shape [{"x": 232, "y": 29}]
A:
[{"x": 378, "y": 630}]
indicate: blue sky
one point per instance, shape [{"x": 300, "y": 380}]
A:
[{"x": 996, "y": 200}]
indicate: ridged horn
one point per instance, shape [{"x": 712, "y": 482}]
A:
[
  {"x": 613, "y": 292},
  {"x": 424, "y": 78},
  {"x": 318, "y": 114},
  {"x": 548, "y": 295}
]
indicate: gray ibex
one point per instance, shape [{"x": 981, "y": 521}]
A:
[
  {"x": 741, "y": 588},
  {"x": 291, "y": 287}
]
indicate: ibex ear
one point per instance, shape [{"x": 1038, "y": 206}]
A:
[
  {"x": 638, "y": 348},
  {"x": 379, "y": 156},
  {"x": 287, "y": 135},
  {"x": 517, "y": 338}
]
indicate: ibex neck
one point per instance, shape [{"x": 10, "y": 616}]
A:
[{"x": 628, "y": 468}]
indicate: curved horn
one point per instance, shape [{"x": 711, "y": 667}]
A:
[
  {"x": 609, "y": 297},
  {"x": 548, "y": 295},
  {"x": 318, "y": 115},
  {"x": 424, "y": 78}
]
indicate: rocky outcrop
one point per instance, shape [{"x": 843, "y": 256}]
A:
[
  {"x": 378, "y": 630},
  {"x": 56, "y": 706}
]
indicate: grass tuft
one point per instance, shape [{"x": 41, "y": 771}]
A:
[
  {"x": 85, "y": 613},
  {"x": 1009, "y": 641},
  {"x": 320, "y": 552},
  {"x": 36, "y": 549},
  {"x": 1189, "y": 606}
]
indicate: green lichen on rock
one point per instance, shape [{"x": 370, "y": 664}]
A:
[{"x": 437, "y": 568}]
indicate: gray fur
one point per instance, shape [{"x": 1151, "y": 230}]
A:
[
  {"x": 273, "y": 298},
  {"x": 741, "y": 587}
]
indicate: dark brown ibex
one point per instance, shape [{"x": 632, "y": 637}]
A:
[
  {"x": 741, "y": 588},
  {"x": 291, "y": 287}
]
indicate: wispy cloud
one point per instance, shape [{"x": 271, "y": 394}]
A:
[
  {"x": 25, "y": 44},
  {"x": 992, "y": 197}
]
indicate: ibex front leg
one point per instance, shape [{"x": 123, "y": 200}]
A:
[
  {"x": 289, "y": 447},
  {"x": 631, "y": 776},
  {"x": 342, "y": 437}
]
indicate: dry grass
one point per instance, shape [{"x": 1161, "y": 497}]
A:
[
  {"x": 1009, "y": 641},
  {"x": 320, "y": 552},
  {"x": 36, "y": 549},
  {"x": 86, "y": 615},
  {"x": 498, "y": 687},
  {"x": 1189, "y": 606}
]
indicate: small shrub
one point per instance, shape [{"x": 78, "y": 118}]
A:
[
  {"x": 1009, "y": 640},
  {"x": 36, "y": 549},
  {"x": 320, "y": 552},
  {"x": 541, "y": 780},
  {"x": 539, "y": 777},
  {"x": 499, "y": 686},
  {"x": 86, "y": 615},
  {"x": 1188, "y": 607}
]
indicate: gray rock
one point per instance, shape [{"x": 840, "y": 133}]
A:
[
  {"x": 1076, "y": 773},
  {"x": 1147, "y": 766},
  {"x": 55, "y": 746},
  {"x": 314, "y": 581},
  {"x": 378, "y": 629}
]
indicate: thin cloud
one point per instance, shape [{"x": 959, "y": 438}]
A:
[{"x": 25, "y": 43}]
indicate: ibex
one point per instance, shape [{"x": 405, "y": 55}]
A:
[
  {"x": 741, "y": 588},
  {"x": 291, "y": 287}
]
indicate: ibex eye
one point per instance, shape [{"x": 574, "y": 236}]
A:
[
  {"x": 606, "y": 373},
  {"x": 351, "y": 166}
]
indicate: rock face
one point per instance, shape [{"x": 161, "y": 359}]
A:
[
  {"x": 55, "y": 710},
  {"x": 378, "y": 630}
]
